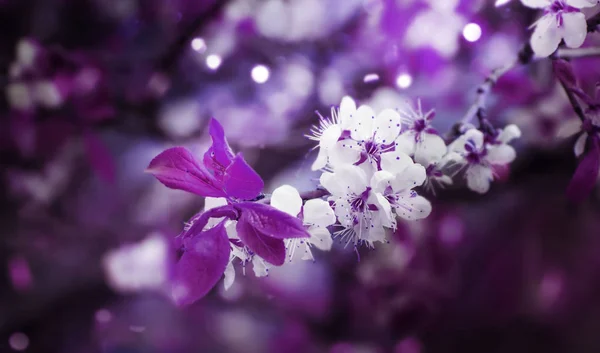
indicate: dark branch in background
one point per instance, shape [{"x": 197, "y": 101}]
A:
[
  {"x": 309, "y": 195},
  {"x": 572, "y": 99},
  {"x": 524, "y": 57},
  {"x": 178, "y": 48}
]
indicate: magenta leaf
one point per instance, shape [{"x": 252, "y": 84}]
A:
[
  {"x": 205, "y": 257},
  {"x": 219, "y": 155},
  {"x": 177, "y": 168},
  {"x": 241, "y": 181},
  {"x": 270, "y": 249},
  {"x": 270, "y": 221},
  {"x": 199, "y": 221},
  {"x": 586, "y": 175}
]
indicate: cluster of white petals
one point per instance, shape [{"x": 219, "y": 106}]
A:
[
  {"x": 370, "y": 168},
  {"x": 562, "y": 20}
]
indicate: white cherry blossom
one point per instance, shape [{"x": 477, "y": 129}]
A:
[
  {"x": 562, "y": 20},
  {"x": 479, "y": 156},
  {"x": 394, "y": 184},
  {"x": 330, "y": 130},
  {"x": 355, "y": 206},
  {"x": 420, "y": 139},
  {"x": 316, "y": 215}
]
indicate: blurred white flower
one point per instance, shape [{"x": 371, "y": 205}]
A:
[
  {"x": 140, "y": 266},
  {"x": 562, "y": 20}
]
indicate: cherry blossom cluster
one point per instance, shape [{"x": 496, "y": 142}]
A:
[{"x": 373, "y": 165}]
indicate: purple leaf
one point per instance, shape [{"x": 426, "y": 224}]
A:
[
  {"x": 199, "y": 221},
  {"x": 202, "y": 264},
  {"x": 241, "y": 181},
  {"x": 219, "y": 152},
  {"x": 270, "y": 249},
  {"x": 177, "y": 168},
  {"x": 586, "y": 175},
  {"x": 99, "y": 156},
  {"x": 270, "y": 221}
]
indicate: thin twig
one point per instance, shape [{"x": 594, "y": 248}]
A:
[
  {"x": 572, "y": 99},
  {"x": 568, "y": 53}
]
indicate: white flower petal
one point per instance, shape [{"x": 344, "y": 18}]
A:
[
  {"x": 582, "y": 3},
  {"x": 395, "y": 162},
  {"x": 332, "y": 183},
  {"x": 546, "y": 36},
  {"x": 229, "y": 275},
  {"x": 353, "y": 179},
  {"x": 536, "y": 4},
  {"x": 343, "y": 212},
  {"x": 574, "y": 29},
  {"x": 381, "y": 180},
  {"x": 386, "y": 126},
  {"x": 509, "y": 133},
  {"x": 385, "y": 210},
  {"x": 479, "y": 178},
  {"x": 330, "y": 136},
  {"x": 579, "y": 147},
  {"x": 287, "y": 199},
  {"x": 414, "y": 208},
  {"x": 318, "y": 213},
  {"x": 214, "y": 202},
  {"x": 321, "y": 160},
  {"x": 501, "y": 154},
  {"x": 347, "y": 112},
  {"x": 407, "y": 142},
  {"x": 362, "y": 123},
  {"x": 320, "y": 238},
  {"x": 430, "y": 148},
  {"x": 260, "y": 266},
  {"x": 413, "y": 176},
  {"x": 345, "y": 152}
]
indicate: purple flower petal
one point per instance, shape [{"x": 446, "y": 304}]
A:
[
  {"x": 200, "y": 220},
  {"x": 270, "y": 221},
  {"x": 270, "y": 249},
  {"x": 219, "y": 156},
  {"x": 241, "y": 181},
  {"x": 586, "y": 175},
  {"x": 177, "y": 168},
  {"x": 202, "y": 264}
]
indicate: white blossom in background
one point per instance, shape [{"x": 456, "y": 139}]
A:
[
  {"x": 479, "y": 156},
  {"x": 316, "y": 215},
  {"x": 439, "y": 28},
  {"x": 140, "y": 266},
  {"x": 562, "y": 20}
]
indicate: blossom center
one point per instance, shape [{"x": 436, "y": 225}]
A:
[{"x": 420, "y": 125}]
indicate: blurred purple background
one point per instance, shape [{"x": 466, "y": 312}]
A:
[{"x": 94, "y": 89}]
